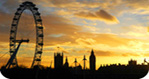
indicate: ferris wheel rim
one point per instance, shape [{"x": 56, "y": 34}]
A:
[{"x": 39, "y": 31}]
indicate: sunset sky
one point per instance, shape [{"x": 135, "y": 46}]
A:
[{"x": 117, "y": 30}]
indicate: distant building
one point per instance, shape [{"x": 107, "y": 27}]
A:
[
  {"x": 132, "y": 62},
  {"x": 92, "y": 61},
  {"x": 84, "y": 60},
  {"x": 77, "y": 66},
  {"x": 58, "y": 60},
  {"x": 75, "y": 62},
  {"x": 66, "y": 65}
]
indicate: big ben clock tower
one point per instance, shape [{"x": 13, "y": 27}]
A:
[{"x": 92, "y": 61}]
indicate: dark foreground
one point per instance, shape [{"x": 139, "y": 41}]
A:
[{"x": 110, "y": 72}]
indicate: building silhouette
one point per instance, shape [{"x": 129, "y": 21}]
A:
[
  {"x": 84, "y": 62},
  {"x": 75, "y": 62},
  {"x": 66, "y": 65},
  {"x": 92, "y": 61},
  {"x": 132, "y": 62},
  {"x": 58, "y": 60}
]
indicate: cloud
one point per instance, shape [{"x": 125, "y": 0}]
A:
[
  {"x": 4, "y": 26},
  {"x": 143, "y": 4},
  {"x": 58, "y": 30},
  {"x": 71, "y": 4},
  {"x": 146, "y": 55},
  {"x": 56, "y": 24},
  {"x": 63, "y": 12},
  {"x": 104, "y": 53},
  {"x": 66, "y": 52},
  {"x": 88, "y": 38},
  {"x": 135, "y": 7},
  {"x": 116, "y": 53},
  {"x": 135, "y": 31},
  {"x": 99, "y": 15},
  {"x": 130, "y": 54},
  {"x": 91, "y": 28},
  {"x": 87, "y": 41}
]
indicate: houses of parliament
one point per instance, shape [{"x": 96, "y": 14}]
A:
[{"x": 58, "y": 61}]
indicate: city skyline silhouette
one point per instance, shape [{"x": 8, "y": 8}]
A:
[{"x": 113, "y": 71}]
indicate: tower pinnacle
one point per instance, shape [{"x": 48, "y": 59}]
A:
[
  {"x": 66, "y": 65},
  {"x": 84, "y": 59},
  {"x": 92, "y": 61}
]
